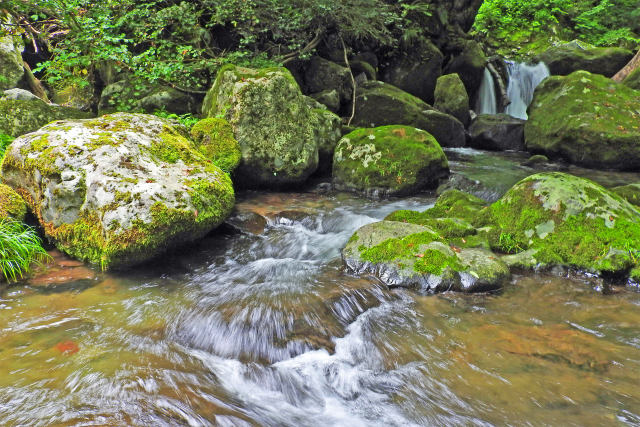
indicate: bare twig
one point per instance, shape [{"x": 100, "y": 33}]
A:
[{"x": 353, "y": 82}]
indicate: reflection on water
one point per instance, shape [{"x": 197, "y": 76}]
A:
[{"x": 266, "y": 329}]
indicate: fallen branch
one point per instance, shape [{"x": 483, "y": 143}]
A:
[
  {"x": 292, "y": 56},
  {"x": 34, "y": 84},
  {"x": 628, "y": 69}
]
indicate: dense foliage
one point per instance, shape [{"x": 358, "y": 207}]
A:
[
  {"x": 183, "y": 42},
  {"x": 20, "y": 247},
  {"x": 535, "y": 24}
]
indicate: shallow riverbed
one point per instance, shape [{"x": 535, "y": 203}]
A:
[{"x": 264, "y": 328}]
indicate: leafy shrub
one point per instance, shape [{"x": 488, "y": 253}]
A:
[
  {"x": 537, "y": 23},
  {"x": 20, "y": 247}
]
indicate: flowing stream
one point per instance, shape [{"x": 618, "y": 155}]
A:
[{"x": 263, "y": 327}]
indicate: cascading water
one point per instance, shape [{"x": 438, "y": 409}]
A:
[
  {"x": 523, "y": 80},
  {"x": 486, "y": 103}
]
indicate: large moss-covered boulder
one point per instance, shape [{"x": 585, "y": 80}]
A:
[
  {"x": 380, "y": 104},
  {"x": 324, "y": 75},
  {"x": 117, "y": 190},
  {"x": 18, "y": 117},
  {"x": 415, "y": 256},
  {"x": 11, "y": 68},
  {"x": 415, "y": 69},
  {"x": 560, "y": 219},
  {"x": 11, "y": 204},
  {"x": 469, "y": 65},
  {"x": 566, "y": 58},
  {"x": 213, "y": 137},
  {"x": 451, "y": 97},
  {"x": 497, "y": 132},
  {"x": 388, "y": 160},
  {"x": 586, "y": 119},
  {"x": 633, "y": 79},
  {"x": 273, "y": 122}
]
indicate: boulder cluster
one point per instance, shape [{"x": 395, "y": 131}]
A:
[{"x": 120, "y": 188}]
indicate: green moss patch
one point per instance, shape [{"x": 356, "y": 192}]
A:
[
  {"x": 391, "y": 159},
  {"x": 214, "y": 138}
]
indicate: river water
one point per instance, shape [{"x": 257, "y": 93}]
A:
[{"x": 263, "y": 327}]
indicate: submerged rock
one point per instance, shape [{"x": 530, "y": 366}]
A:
[
  {"x": 18, "y": 117},
  {"x": 497, "y": 132},
  {"x": 117, "y": 190},
  {"x": 586, "y": 119},
  {"x": 278, "y": 132},
  {"x": 380, "y": 104},
  {"x": 573, "y": 56},
  {"x": 388, "y": 160},
  {"x": 536, "y": 160}
]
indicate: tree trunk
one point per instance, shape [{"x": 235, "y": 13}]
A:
[{"x": 627, "y": 69}]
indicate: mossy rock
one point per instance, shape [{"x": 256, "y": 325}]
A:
[
  {"x": 381, "y": 104},
  {"x": 415, "y": 68},
  {"x": 415, "y": 256},
  {"x": 11, "y": 204},
  {"x": 133, "y": 94},
  {"x": 117, "y": 190},
  {"x": 323, "y": 75},
  {"x": 629, "y": 192},
  {"x": 633, "y": 79},
  {"x": 451, "y": 97},
  {"x": 213, "y": 137},
  {"x": 272, "y": 122},
  {"x": 569, "y": 221},
  {"x": 388, "y": 160},
  {"x": 18, "y": 117},
  {"x": 586, "y": 119},
  {"x": 452, "y": 204},
  {"x": 11, "y": 68},
  {"x": 498, "y": 132},
  {"x": 469, "y": 65},
  {"x": 330, "y": 99},
  {"x": 573, "y": 56}
]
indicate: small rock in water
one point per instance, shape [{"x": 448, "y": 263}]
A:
[{"x": 67, "y": 347}]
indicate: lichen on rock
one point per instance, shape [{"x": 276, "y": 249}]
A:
[
  {"x": 272, "y": 122},
  {"x": 119, "y": 189},
  {"x": 586, "y": 119},
  {"x": 388, "y": 160}
]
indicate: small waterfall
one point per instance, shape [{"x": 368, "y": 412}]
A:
[
  {"x": 523, "y": 79},
  {"x": 486, "y": 103}
]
